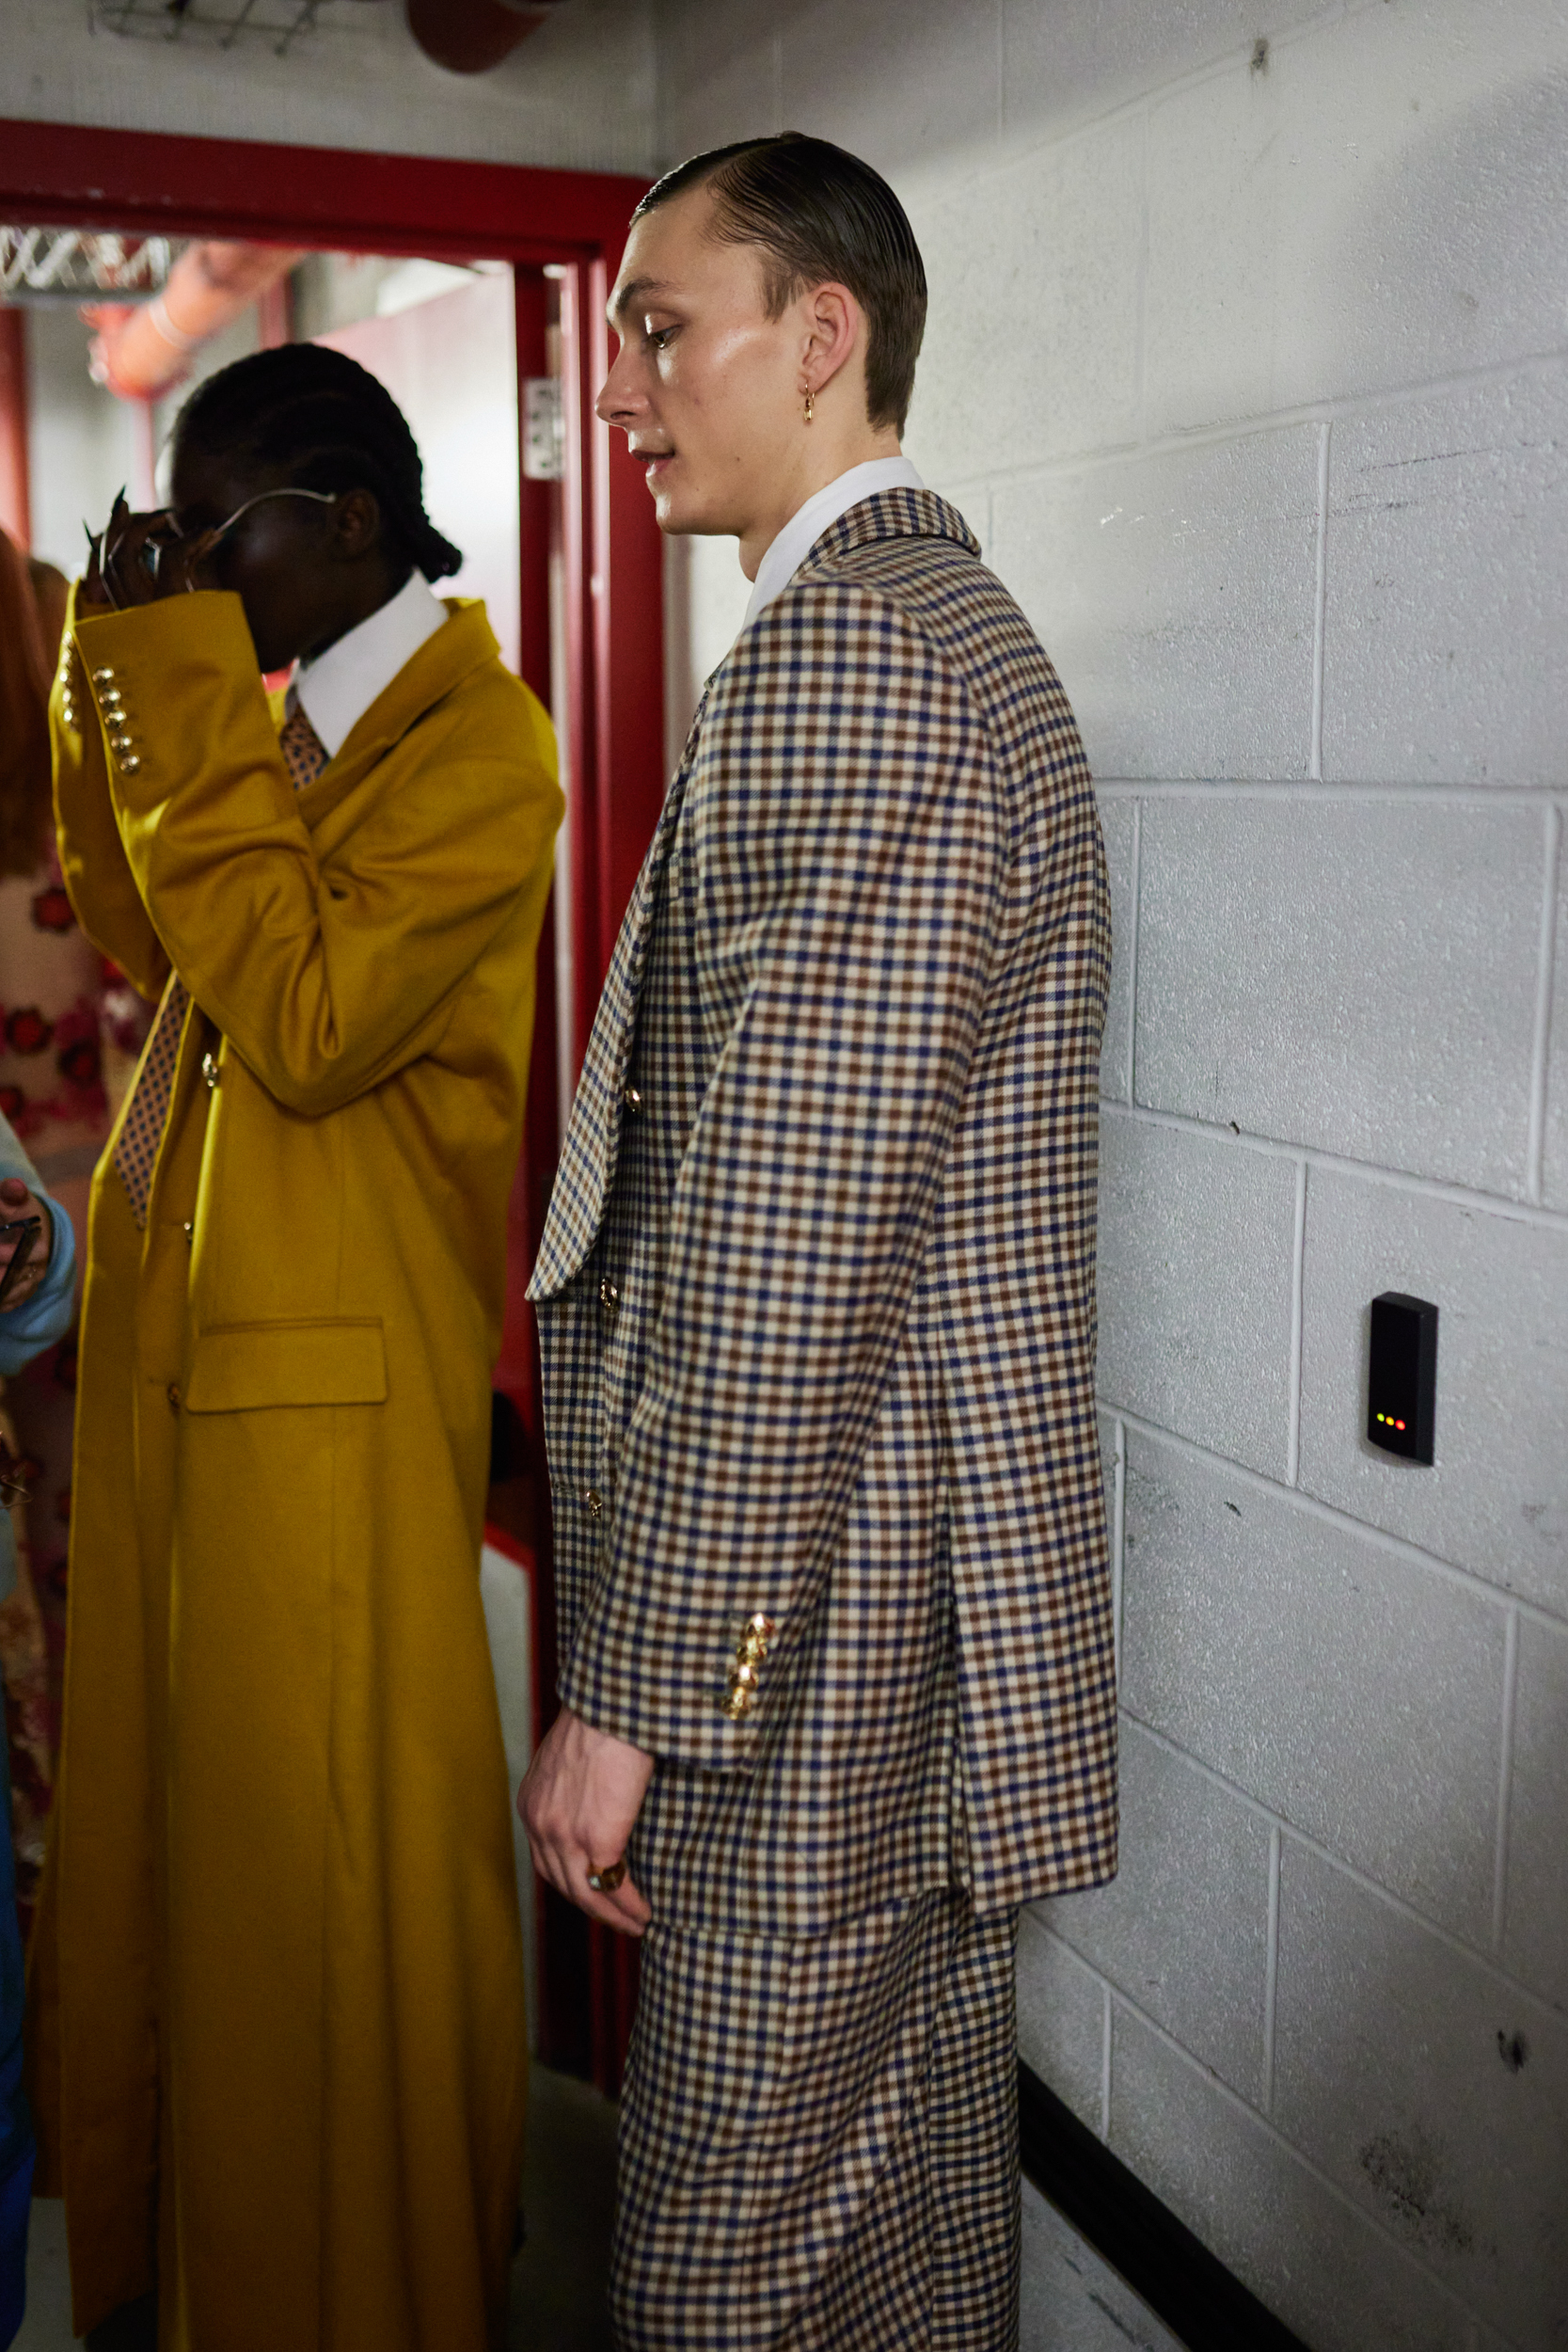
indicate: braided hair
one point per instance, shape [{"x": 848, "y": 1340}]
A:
[{"x": 332, "y": 424}]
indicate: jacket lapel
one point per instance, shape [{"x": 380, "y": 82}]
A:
[
  {"x": 588, "y": 1156},
  {"x": 588, "y": 1153},
  {"x": 464, "y": 644}
]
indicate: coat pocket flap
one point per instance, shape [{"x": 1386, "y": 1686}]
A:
[{"x": 240, "y": 1367}]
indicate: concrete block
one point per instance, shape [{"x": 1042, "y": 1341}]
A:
[
  {"x": 1535, "y": 1937},
  {"x": 1433, "y": 2091},
  {"x": 1448, "y": 587},
  {"x": 1061, "y": 65},
  {"x": 1109, "y": 1455},
  {"x": 1037, "y": 265},
  {"x": 1357, "y": 974},
  {"x": 718, "y": 101},
  {"x": 1327, "y": 2271},
  {"x": 1496, "y": 1499},
  {"x": 902, "y": 85},
  {"x": 1071, "y": 2300},
  {"x": 1353, "y": 1693},
  {"x": 1197, "y": 1239},
  {"x": 1177, "y": 596},
  {"x": 1184, "y": 1928},
  {"x": 1555, "y": 1156},
  {"x": 1110, "y": 1458},
  {"x": 1061, "y": 2019},
  {"x": 693, "y": 38},
  {"x": 1377, "y": 206},
  {"x": 1118, "y": 823}
]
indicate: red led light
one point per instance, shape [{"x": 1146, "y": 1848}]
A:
[{"x": 1398, "y": 1424}]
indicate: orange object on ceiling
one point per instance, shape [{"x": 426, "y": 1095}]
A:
[{"x": 142, "y": 353}]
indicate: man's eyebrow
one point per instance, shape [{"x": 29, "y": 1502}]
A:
[{"x": 636, "y": 290}]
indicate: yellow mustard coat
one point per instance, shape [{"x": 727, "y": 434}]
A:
[{"x": 278, "y": 2056}]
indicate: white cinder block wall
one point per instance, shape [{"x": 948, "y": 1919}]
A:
[{"x": 1248, "y": 361}]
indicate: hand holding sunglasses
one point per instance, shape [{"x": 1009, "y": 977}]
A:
[{"x": 141, "y": 559}]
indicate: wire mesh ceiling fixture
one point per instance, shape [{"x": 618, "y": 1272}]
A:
[
  {"x": 77, "y": 265},
  {"x": 218, "y": 23}
]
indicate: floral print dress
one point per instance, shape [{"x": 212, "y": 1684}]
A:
[{"x": 70, "y": 1029}]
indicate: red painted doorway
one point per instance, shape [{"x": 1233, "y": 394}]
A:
[{"x": 561, "y": 233}]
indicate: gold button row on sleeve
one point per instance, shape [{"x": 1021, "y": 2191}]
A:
[
  {"x": 111, "y": 702},
  {"x": 740, "y": 1695}
]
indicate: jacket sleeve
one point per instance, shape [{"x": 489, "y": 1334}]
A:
[
  {"x": 845, "y": 830},
  {"x": 325, "y": 979},
  {"x": 98, "y": 877}
]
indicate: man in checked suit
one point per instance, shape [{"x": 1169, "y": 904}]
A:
[{"x": 817, "y": 1312}]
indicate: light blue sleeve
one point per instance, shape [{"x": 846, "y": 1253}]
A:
[{"x": 46, "y": 1315}]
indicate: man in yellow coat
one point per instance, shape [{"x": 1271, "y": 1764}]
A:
[{"x": 278, "y": 2056}]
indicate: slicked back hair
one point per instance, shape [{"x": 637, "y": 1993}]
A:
[
  {"x": 817, "y": 215},
  {"x": 332, "y": 425}
]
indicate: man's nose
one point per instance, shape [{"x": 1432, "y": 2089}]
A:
[{"x": 620, "y": 403}]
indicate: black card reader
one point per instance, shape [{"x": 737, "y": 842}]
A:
[{"x": 1402, "y": 1379}]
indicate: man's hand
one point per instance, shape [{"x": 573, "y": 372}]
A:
[
  {"x": 17, "y": 1202},
  {"x": 582, "y": 1795}
]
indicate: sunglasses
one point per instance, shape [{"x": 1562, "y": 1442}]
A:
[{"x": 207, "y": 540}]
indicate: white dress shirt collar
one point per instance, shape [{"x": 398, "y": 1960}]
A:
[
  {"x": 794, "y": 542},
  {"x": 338, "y": 687}
]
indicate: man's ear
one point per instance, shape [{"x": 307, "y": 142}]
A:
[
  {"x": 833, "y": 328},
  {"x": 355, "y": 525}
]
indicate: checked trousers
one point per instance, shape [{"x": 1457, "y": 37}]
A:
[{"x": 819, "y": 2139}]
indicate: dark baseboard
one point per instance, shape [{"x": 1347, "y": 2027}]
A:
[{"x": 1180, "y": 2280}]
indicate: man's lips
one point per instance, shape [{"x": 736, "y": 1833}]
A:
[{"x": 653, "y": 461}]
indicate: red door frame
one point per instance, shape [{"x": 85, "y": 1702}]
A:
[{"x": 64, "y": 175}]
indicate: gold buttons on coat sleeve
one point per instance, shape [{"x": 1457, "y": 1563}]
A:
[
  {"x": 632, "y": 1098},
  {"x": 593, "y": 1502},
  {"x": 609, "y": 1297},
  {"x": 742, "y": 1682},
  {"x": 111, "y": 704}
]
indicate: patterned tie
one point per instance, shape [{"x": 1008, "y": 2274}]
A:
[
  {"x": 303, "y": 753},
  {"x": 142, "y": 1130}
]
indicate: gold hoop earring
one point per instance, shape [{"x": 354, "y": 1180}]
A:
[{"x": 811, "y": 405}]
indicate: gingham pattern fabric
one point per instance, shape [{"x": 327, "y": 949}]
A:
[
  {"x": 145, "y": 1114},
  {"x": 816, "y": 1288},
  {"x": 141, "y": 1130},
  {"x": 818, "y": 2140}
]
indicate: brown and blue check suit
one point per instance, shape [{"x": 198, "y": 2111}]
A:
[{"x": 817, "y": 1310}]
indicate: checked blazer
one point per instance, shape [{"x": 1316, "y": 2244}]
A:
[{"x": 816, "y": 1290}]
